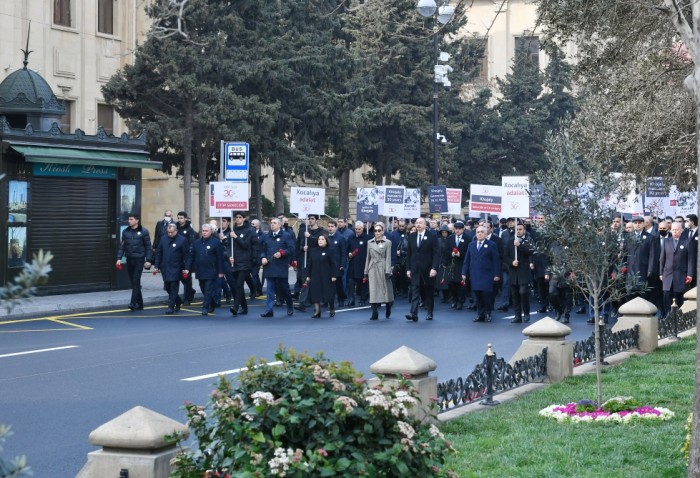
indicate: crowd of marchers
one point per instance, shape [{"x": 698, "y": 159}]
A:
[{"x": 470, "y": 264}]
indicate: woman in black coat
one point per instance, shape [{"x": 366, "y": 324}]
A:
[{"x": 323, "y": 272}]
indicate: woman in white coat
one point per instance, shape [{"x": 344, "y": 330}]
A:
[{"x": 378, "y": 272}]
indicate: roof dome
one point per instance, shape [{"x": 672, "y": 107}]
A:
[{"x": 25, "y": 91}]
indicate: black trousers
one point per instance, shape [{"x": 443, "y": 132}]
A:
[
  {"x": 237, "y": 289},
  {"x": 521, "y": 299},
  {"x": 420, "y": 285},
  {"x": 188, "y": 292},
  {"x": 484, "y": 302},
  {"x": 209, "y": 290},
  {"x": 172, "y": 287},
  {"x": 134, "y": 268}
]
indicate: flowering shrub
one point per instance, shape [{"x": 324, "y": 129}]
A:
[
  {"x": 309, "y": 417},
  {"x": 618, "y": 409}
]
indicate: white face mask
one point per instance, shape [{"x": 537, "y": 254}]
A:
[{"x": 167, "y": 219}]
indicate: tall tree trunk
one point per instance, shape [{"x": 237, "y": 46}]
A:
[
  {"x": 256, "y": 189},
  {"x": 694, "y": 461},
  {"x": 202, "y": 161},
  {"x": 187, "y": 153},
  {"x": 344, "y": 193},
  {"x": 279, "y": 189}
]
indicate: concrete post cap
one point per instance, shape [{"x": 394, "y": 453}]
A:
[
  {"x": 637, "y": 306},
  {"x": 403, "y": 360},
  {"x": 547, "y": 327},
  {"x": 137, "y": 429}
]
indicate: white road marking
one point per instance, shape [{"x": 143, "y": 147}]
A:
[
  {"x": 226, "y": 372},
  {"x": 39, "y": 351}
]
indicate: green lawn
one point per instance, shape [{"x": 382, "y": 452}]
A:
[{"x": 512, "y": 440}]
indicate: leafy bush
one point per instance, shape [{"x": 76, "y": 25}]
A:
[
  {"x": 309, "y": 417},
  {"x": 585, "y": 406},
  {"x": 13, "y": 468},
  {"x": 621, "y": 404}
]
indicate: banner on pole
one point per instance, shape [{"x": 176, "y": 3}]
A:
[
  {"x": 305, "y": 201},
  {"x": 484, "y": 199},
  {"x": 437, "y": 199},
  {"x": 454, "y": 201},
  {"x": 516, "y": 199},
  {"x": 367, "y": 204},
  {"x": 411, "y": 203},
  {"x": 227, "y": 196},
  {"x": 394, "y": 201}
]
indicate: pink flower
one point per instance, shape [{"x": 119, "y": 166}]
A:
[{"x": 322, "y": 452}]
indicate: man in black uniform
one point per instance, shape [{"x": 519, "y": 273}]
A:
[
  {"x": 135, "y": 245},
  {"x": 184, "y": 228}
]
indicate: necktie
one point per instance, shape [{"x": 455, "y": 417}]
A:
[
  {"x": 478, "y": 247},
  {"x": 675, "y": 244},
  {"x": 457, "y": 240},
  {"x": 420, "y": 238}
]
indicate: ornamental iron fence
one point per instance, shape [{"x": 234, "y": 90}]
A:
[
  {"x": 491, "y": 377},
  {"x": 610, "y": 343},
  {"x": 676, "y": 321}
]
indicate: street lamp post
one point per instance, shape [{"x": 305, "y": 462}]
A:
[{"x": 428, "y": 8}]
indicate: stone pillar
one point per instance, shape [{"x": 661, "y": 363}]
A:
[
  {"x": 690, "y": 301},
  {"x": 643, "y": 313},
  {"x": 134, "y": 441},
  {"x": 550, "y": 334},
  {"x": 412, "y": 366}
]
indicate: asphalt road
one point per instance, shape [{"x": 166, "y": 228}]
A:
[{"x": 101, "y": 364}]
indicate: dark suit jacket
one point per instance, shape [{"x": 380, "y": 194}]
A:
[
  {"x": 640, "y": 254},
  {"x": 419, "y": 260},
  {"x": 676, "y": 265},
  {"x": 481, "y": 266}
]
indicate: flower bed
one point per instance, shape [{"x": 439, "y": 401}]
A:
[{"x": 618, "y": 410}]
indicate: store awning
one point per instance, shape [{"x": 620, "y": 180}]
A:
[{"x": 93, "y": 157}]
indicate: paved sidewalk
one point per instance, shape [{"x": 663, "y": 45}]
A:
[{"x": 151, "y": 289}]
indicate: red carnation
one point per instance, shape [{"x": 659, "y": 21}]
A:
[
  {"x": 355, "y": 252},
  {"x": 455, "y": 250},
  {"x": 185, "y": 275},
  {"x": 282, "y": 253},
  {"x": 442, "y": 281},
  {"x": 364, "y": 280},
  {"x": 119, "y": 266},
  {"x": 294, "y": 264}
]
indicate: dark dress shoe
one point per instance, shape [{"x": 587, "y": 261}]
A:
[
  {"x": 290, "y": 311},
  {"x": 243, "y": 311},
  {"x": 542, "y": 310},
  {"x": 132, "y": 307},
  {"x": 233, "y": 311},
  {"x": 479, "y": 318},
  {"x": 565, "y": 320},
  {"x": 488, "y": 317},
  {"x": 502, "y": 308},
  {"x": 526, "y": 318},
  {"x": 169, "y": 311},
  {"x": 316, "y": 315},
  {"x": 177, "y": 306},
  {"x": 412, "y": 317},
  {"x": 267, "y": 314},
  {"x": 212, "y": 310},
  {"x": 187, "y": 302},
  {"x": 517, "y": 320},
  {"x": 591, "y": 321},
  {"x": 331, "y": 314},
  {"x": 429, "y": 317},
  {"x": 459, "y": 307},
  {"x": 581, "y": 310},
  {"x": 205, "y": 311},
  {"x": 471, "y": 307},
  {"x": 453, "y": 305}
]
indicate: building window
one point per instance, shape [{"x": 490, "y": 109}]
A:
[
  {"x": 61, "y": 13},
  {"x": 65, "y": 122},
  {"x": 528, "y": 46},
  {"x": 105, "y": 16},
  {"x": 477, "y": 63},
  {"x": 105, "y": 118}
]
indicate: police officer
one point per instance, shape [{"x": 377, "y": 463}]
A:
[{"x": 135, "y": 245}]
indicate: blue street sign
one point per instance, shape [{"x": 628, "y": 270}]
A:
[{"x": 234, "y": 161}]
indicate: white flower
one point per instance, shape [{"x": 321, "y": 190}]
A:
[
  {"x": 376, "y": 398},
  {"x": 279, "y": 465},
  {"x": 406, "y": 429},
  {"x": 347, "y": 402},
  {"x": 435, "y": 432},
  {"x": 259, "y": 397}
]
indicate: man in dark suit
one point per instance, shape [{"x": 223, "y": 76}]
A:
[
  {"x": 171, "y": 254},
  {"x": 518, "y": 255},
  {"x": 277, "y": 249},
  {"x": 482, "y": 267},
  {"x": 640, "y": 259},
  {"x": 422, "y": 262},
  {"x": 206, "y": 260},
  {"x": 677, "y": 265},
  {"x": 691, "y": 232}
]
